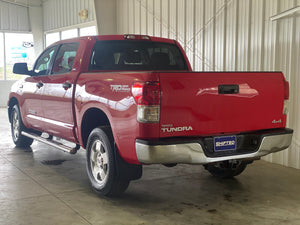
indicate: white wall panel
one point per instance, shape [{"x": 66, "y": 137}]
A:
[
  {"x": 243, "y": 38},
  {"x": 165, "y": 18},
  {"x": 126, "y": 23},
  {"x": 270, "y": 35},
  {"x": 256, "y": 34},
  {"x": 131, "y": 16},
  {"x": 294, "y": 151},
  {"x": 157, "y": 17},
  {"x": 229, "y": 35},
  {"x": 231, "y": 31},
  {"x": 137, "y": 16},
  {"x": 220, "y": 34},
  {"x": 14, "y": 18},
  {"x": 143, "y": 18},
  {"x": 150, "y": 17},
  {"x": 189, "y": 40},
  {"x": 64, "y": 13},
  {"x": 121, "y": 13},
  {"x": 199, "y": 35},
  {"x": 209, "y": 48},
  {"x": 173, "y": 19},
  {"x": 181, "y": 26}
]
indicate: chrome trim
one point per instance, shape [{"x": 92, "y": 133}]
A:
[
  {"x": 52, "y": 143},
  {"x": 192, "y": 153},
  {"x": 53, "y": 122}
]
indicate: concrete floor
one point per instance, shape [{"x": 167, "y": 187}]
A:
[{"x": 34, "y": 192}]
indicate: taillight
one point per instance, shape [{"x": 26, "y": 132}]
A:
[
  {"x": 147, "y": 98},
  {"x": 286, "y": 98},
  {"x": 286, "y": 90},
  {"x": 285, "y": 107}
]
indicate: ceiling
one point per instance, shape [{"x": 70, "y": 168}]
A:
[{"x": 27, "y": 3}]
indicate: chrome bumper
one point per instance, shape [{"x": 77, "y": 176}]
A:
[{"x": 192, "y": 153}]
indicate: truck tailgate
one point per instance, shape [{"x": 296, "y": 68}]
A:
[{"x": 214, "y": 103}]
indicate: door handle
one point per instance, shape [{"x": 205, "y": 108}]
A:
[
  {"x": 66, "y": 85},
  {"x": 39, "y": 84},
  {"x": 228, "y": 89}
]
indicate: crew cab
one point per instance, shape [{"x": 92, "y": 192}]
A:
[{"x": 133, "y": 100}]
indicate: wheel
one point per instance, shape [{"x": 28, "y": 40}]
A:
[
  {"x": 227, "y": 169},
  {"x": 102, "y": 166},
  {"x": 17, "y": 127}
]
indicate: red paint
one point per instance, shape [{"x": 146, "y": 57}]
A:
[
  {"x": 194, "y": 98},
  {"x": 146, "y": 93},
  {"x": 189, "y": 101}
]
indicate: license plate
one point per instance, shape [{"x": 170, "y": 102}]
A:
[{"x": 225, "y": 143}]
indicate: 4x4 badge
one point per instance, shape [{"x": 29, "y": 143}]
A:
[{"x": 276, "y": 121}]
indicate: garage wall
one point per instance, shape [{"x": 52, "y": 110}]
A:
[
  {"x": 228, "y": 35},
  {"x": 64, "y": 13},
  {"x": 5, "y": 86},
  {"x": 14, "y": 18}
]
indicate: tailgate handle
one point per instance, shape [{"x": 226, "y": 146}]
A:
[{"x": 228, "y": 89}]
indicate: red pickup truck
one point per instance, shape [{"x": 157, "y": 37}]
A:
[{"x": 133, "y": 100}]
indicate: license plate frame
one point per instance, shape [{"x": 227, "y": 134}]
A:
[{"x": 225, "y": 143}]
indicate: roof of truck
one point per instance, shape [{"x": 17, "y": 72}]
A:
[{"x": 117, "y": 37}]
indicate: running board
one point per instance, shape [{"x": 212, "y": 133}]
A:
[{"x": 52, "y": 143}]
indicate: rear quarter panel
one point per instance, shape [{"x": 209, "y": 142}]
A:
[{"x": 111, "y": 93}]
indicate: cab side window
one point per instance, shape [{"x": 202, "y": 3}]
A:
[
  {"x": 42, "y": 66},
  {"x": 65, "y": 58}
]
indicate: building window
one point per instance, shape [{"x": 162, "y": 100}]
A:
[
  {"x": 15, "y": 47},
  {"x": 69, "y": 34},
  {"x": 52, "y": 38},
  {"x": 87, "y": 31}
]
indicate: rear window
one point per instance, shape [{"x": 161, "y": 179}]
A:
[{"x": 136, "y": 55}]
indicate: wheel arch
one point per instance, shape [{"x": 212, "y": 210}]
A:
[
  {"x": 92, "y": 118},
  {"x": 12, "y": 101}
]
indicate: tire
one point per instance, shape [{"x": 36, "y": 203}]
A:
[
  {"x": 17, "y": 127},
  {"x": 227, "y": 169},
  {"x": 102, "y": 166}
]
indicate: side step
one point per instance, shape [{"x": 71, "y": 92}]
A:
[{"x": 52, "y": 143}]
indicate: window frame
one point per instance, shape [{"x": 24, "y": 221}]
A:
[
  {"x": 5, "y": 53},
  {"x": 91, "y": 69},
  {"x": 56, "y": 48},
  {"x": 57, "y": 53}
]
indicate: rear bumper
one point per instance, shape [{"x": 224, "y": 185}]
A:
[{"x": 191, "y": 151}]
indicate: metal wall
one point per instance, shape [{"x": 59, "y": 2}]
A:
[
  {"x": 228, "y": 35},
  {"x": 64, "y": 13},
  {"x": 14, "y": 18}
]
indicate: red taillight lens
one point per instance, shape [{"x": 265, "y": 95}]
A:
[
  {"x": 286, "y": 97},
  {"x": 286, "y": 90},
  {"x": 146, "y": 93},
  {"x": 147, "y": 97}
]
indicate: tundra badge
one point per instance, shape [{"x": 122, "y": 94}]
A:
[{"x": 170, "y": 128}]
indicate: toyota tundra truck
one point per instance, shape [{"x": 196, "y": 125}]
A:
[{"x": 133, "y": 100}]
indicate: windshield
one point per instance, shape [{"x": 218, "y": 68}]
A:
[{"x": 136, "y": 55}]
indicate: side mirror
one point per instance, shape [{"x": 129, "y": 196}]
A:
[{"x": 21, "y": 68}]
